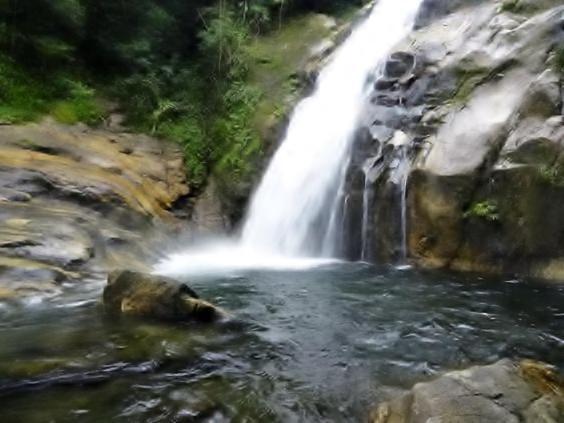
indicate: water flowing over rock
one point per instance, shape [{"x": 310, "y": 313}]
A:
[
  {"x": 294, "y": 219},
  {"x": 294, "y": 210}
]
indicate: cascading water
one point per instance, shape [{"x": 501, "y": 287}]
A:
[
  {"x": 294, "y": 203},
  {"x": 293, "y": 212}
]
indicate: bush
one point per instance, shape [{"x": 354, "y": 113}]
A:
[
  {"x": 179, "y": 69},
  {"x": 79, "y": 105},
  {"x": 551, "y": 175},
  {"x": 25, "y": 96},
  {"x": 486, "y": 210}
]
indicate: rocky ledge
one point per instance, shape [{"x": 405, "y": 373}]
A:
[
  {"x": 77, "y": 202},
  {"x": 503, "y": 392}
]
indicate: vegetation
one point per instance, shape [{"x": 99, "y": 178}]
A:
[
  {"x": 468, "y": 79},
  {"x": 25, "y": 96},
  {"x": 552, "y": 175},
  {"x": 512, "y": 6},
  {"x": 524, "y": 8},
  {"x": 178, "y": 69},
  {"x": 486, "y": 210}
]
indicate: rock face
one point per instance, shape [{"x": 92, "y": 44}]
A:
[
  {"x": 502, "y": 392},
  {"x": 143, "y": 295},
  {"x": 473, "y": 102},
  {"x": 76, "y": 202}
]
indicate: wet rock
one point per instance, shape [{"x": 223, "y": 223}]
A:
[
  {"x": 143, "y": 295},
  {"x": 399, "y": 65},
  {"x": 435, "y": 9},
  {"x": 69, "y": 192},
  {"x": 385, "y": 84},
  {"x": 208, "y": 215},
  {"x": 388, "y": 100},
  {"x": 528, "y": 391},
  {"x": 477, "y": 95}
]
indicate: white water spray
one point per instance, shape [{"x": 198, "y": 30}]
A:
[{"x": 292, "y": 211}]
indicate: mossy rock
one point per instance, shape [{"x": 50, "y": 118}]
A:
[
  {"x": 537, "y": 151},
  {"x": 509, "y": 223},
  {"x": 143, "y": 295},
  {"x": 436, "y": 205}
]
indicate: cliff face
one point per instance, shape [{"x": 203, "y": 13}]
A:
[{"x": 473, "y": 100}]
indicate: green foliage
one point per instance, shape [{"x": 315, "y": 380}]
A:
[
  {"x": 238, "y": 143},
  {"x": 486, "y": 210},
  {"x": 170, "y": 103},
  {"x": 21, "y": 97},
  {"x": 180, "y": 70},
  {"x": 190, "y": 134},
  {"x": 512, "y": 6},
  {"x": 223, "y": 43},
  {"x": 25, "y": 96},
  {"x": 80, "y": 105},
  {"x": 468, "y": 80},
  {"x": 518, "y": 7},
  {"x": 551, "y": 175}
]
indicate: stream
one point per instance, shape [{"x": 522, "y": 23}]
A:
[{"x": 323, "y": 344}]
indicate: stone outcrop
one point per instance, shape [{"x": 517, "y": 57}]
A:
[
  {"x": 76, "y": 202},
  {"x": 144, "y": 295},
  {"x": 473, "y": 101},
  {"x": 506, "y": 392}
]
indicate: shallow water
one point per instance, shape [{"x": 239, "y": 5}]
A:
[{"x": 316, "y": 345}]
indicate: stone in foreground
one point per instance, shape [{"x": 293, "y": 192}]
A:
[
  {"x": 144, "y": 295},
  {"x": 503, "y": 392}
]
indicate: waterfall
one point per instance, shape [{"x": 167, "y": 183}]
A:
[
  {"x": 294, "y": 212},
  {"x": 406, "y": 167},
  {"x": 372, "y": 169}
]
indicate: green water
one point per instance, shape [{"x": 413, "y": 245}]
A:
[{"x": 317, "y": 345}]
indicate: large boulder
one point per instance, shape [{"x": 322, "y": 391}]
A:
[
  {"x": 502, "y": 392},
  {"x": 486, "y": 193},
  {"x": 144, "y": 295}
]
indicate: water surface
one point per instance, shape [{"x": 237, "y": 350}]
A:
[{"x": 312, "y": 345}]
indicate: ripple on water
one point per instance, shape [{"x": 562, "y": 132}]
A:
[{"x": 313, "y": 345}]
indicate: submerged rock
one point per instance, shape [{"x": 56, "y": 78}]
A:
[
  {"x": 144, "y": 295},
  {"x": 505, "y": 391}
]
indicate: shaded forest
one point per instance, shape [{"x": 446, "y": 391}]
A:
[{"x": 177, "y": 69}]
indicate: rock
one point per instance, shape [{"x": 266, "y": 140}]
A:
[
  {"x": 208, "y": 216},
  {"x": 477, "y": 94},
  {"x": 385, "y": 83},
  {"x": 143, "y": 295},
  {"x": 435, "y": 9},
  {"x": 77, "y": 201},
  {"x": 399, "y": 65},
  {"x": 528, "y": 392}
]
